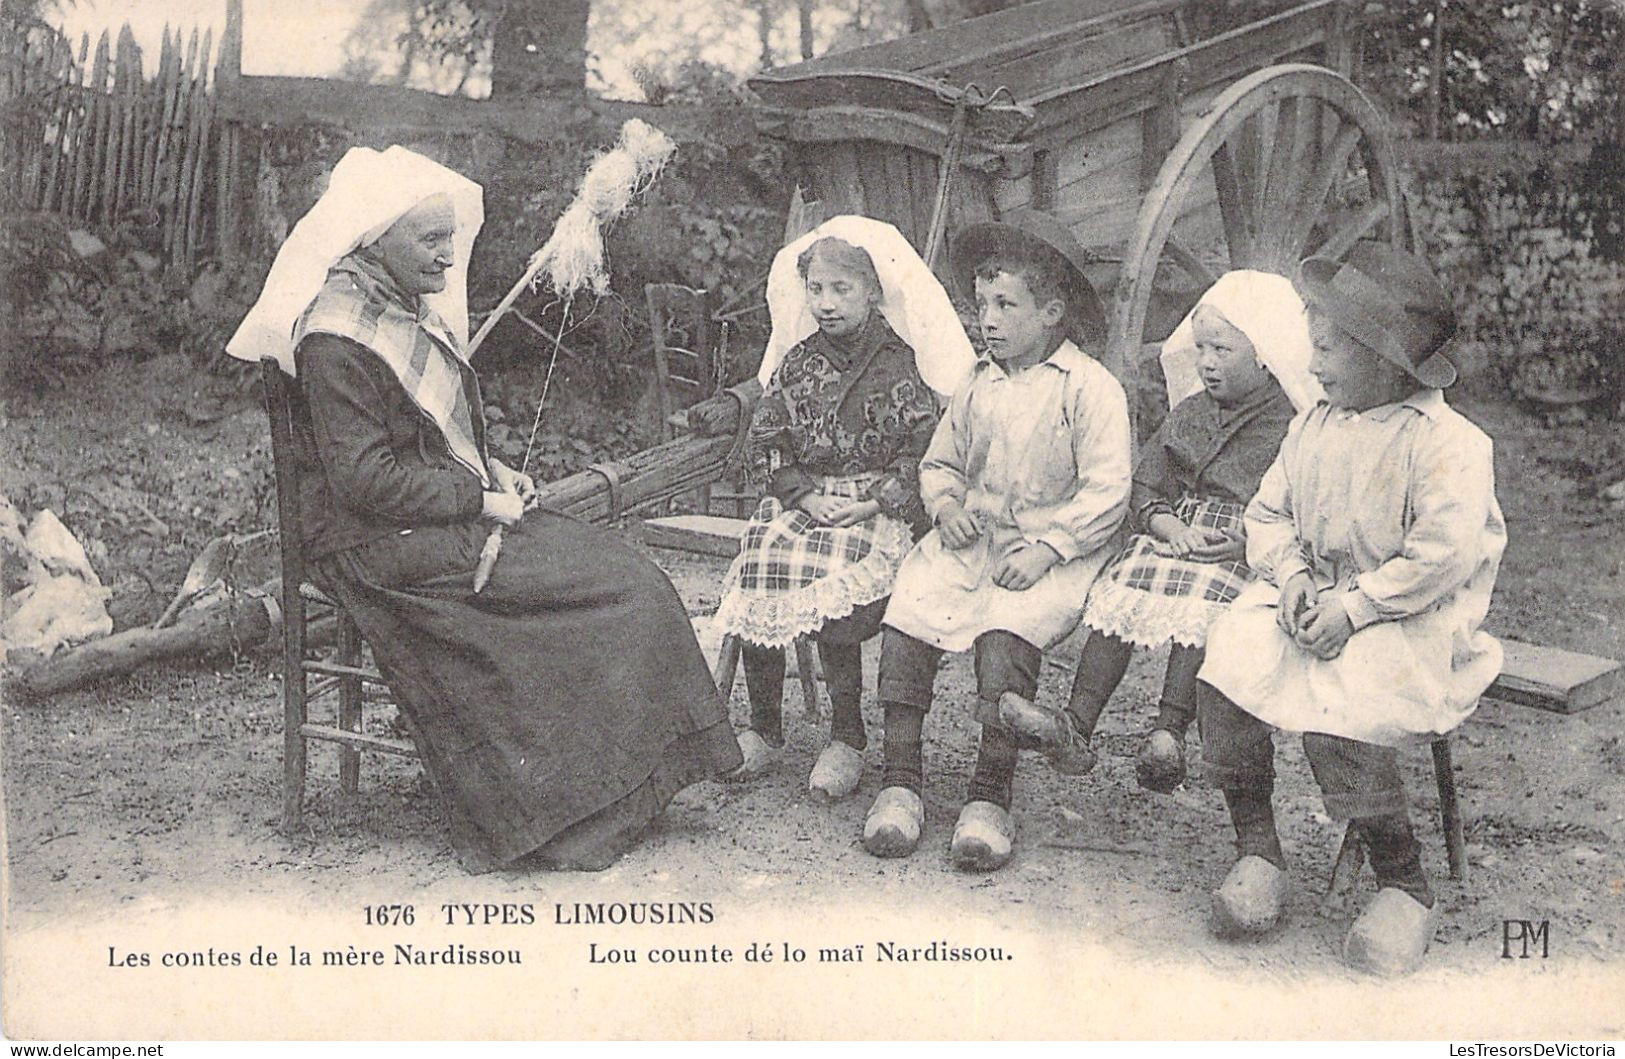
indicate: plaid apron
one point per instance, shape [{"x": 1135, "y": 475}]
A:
[
  {"x": 792, "y": 575},
  {"x": 1149, "y": 599}
]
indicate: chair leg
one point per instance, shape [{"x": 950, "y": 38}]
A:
[
  {"x": 349, "y": 704},
  {"x": 811, "y": 706},
  {"x": 1455, "y": 839},
  {"x": 293, "y": 713},
  {"x": 1341, "y": 891},
  {"x": 727, "y": 666}
]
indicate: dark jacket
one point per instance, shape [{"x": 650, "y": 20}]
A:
[
  {"x": 1204, "y": 449},
  {"x": 370, "y": 461}
]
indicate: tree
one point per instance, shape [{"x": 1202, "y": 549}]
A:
[
  {"x": 529, "y": 46},
  {"x": 1546, "y": 70},
  {"x": 539, "y": 46},
  {"x": 804, "y": 21}
]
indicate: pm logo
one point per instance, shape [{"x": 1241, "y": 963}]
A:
[{"x": 1528, "y": 937}]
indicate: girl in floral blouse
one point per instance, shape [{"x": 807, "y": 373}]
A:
[{"x": 835, "y": 442}]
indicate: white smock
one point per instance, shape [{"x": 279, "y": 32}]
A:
[
  {"x": 1392, "y": 511},
  {"x": 1039, "y": 456}
]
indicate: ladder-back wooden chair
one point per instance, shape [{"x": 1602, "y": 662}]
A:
[
  {"x": 687, "y": 367},
  {"x": 306, "y": 676}
]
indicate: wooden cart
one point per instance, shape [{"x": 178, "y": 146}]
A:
[{"x": 1174, "y": 146}]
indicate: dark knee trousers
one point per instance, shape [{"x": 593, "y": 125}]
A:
[
  {"x": 856, "y": 628},
  {"x": 908, "y": 670},
  {"x": 1004, "y": 662},
  {"x": 1356, "y": 779}
]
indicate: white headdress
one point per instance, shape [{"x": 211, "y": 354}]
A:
[
  {"x": 1265, "y": 308},
  {"x": 912, "y": 301},
  {"x": 368, "y": 191}
]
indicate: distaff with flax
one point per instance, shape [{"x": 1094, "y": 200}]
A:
[
  {"x": 835, "y": 441},
  {"x": 540, "y": 738}
]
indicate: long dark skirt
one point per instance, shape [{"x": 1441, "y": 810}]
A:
[{"x": 560, "y": 709}]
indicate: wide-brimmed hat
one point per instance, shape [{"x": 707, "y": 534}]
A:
[
  {"x": 1389, "y": 300},
  {"x": 1045, "y": 237}
]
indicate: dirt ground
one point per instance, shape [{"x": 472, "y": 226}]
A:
[{"x": 164, "y": 788}]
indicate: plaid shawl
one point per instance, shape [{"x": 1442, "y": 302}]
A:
[{"x": 358, "y": 302}]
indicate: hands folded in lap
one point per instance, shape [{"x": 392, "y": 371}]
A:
[
  {"x": 1179, "y": 541},
  {"x": 1018, "y": 571},
  {"x": 836, "y": 510},
  {"x": 1320, "y": 627}
]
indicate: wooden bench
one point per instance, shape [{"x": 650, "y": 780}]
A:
[
  {"x": 1551, "y": 678},
  {"x": 701, "y": 534},
  {"x": 1548, "y": 678}
]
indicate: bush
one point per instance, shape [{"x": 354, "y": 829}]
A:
[{"x": 1539, "y": 303}]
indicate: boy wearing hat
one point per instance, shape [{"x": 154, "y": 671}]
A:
[
  {"x": 1377, "y": 536},
  {"x": 1026, "y": 479}
]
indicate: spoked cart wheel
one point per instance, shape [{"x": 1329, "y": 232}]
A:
[{"x": 1287, "y": 163}]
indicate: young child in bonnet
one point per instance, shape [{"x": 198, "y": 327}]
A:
[
  {"x": 1026, "y": 480},
  {"x": 1237, "y": 370},
  {"x": 865, "y": 344},
  {"x": 1376, "y": 537}
]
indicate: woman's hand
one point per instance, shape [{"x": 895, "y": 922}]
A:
[
  {"x": 1298, "y": 595},
  {"x": 822, "y": 509},
  {"x": 508, "y": 480},
  {"x": 855, "y": 512},
  {"x": 1022, "y": 568},
  {"x": 503, "y": 508},
  {"x": 1223, "y": 546},
  {"x": 957, "y": 527}
]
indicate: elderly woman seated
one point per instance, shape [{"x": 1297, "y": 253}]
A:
[{"x": 558, "y": 710}]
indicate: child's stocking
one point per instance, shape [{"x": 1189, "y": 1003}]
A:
[
  {"x": 764, "y": 681},
  {"x": 904, "y": 764},
  {"x": 995, "y": 777},
  {"x": 1100, "y": 669},
  {"x": 1395, "y": 855},
  {"x": 1178, "y": 706},
  {"x": 843, "y": 675},
  {"x": 1254, "y": 820}
]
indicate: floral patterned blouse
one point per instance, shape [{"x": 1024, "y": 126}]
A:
[{"x": 841, "y": 407}]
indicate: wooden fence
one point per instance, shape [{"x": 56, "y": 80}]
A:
[{"x": 92, "y": 137}]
